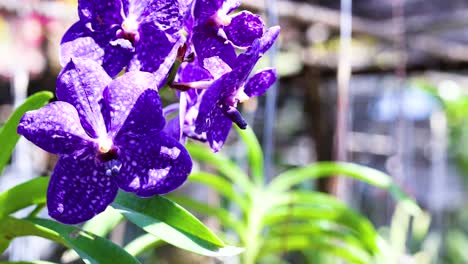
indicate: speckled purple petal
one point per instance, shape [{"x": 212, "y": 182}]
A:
[
  {"x": 55, "y": 128},
  {"x": 145, "y": 118},
  {"x": 192, "y": 72},
  {"x": 164, "y": 69},
  {"x": 101, "y": 12},
  {"x": 260, "y": 82},
  {"x": 79, "y": 189},
  {"x": 246, "y": 61},
  {"x": 81, "y": 84},
  {"x": 132, "y": 106},
  {"x": 165, "y": 14},
  {"x": 213, "y": 52},
  {"x": 154, "y": 50},
  {"x": 153, "y": 165},
  {"x": 218, "y": 131},
  {"x": 203, "y": 9},
  {"x": 172, "y": 128},
  {"x": 79, "y": 42},
  {"x": 209, "y": 106},
  {"x": 245, "y": 27},
  {"x": 223, "y": 91},
  {"x": 268, "y": 39}
]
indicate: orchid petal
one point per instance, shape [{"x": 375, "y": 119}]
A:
[
  {"x": 55, "y": 128},
  {"x": 79, "y": 189},
  {"x": 260, "y": 82},
  {"x": 245, "y": 27},
  {"x": 81, "y": 84},
  {"x": 153, "y": 165}
]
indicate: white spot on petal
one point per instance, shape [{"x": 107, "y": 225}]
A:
[
  {"x": 173, "y": 152},
  {"x": 135, "y": 183},
  {"x": 158, "y": 174},
  {"x": 60, "y": 208}
]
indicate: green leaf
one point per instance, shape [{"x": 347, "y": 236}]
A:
[
  {"x": 277, "y": 245},
  {"x": 226, "y": 218},
  {"x": 143, "y": 243},
  {"x": 103, "y": 223},
  {"x": 23, "y": 195},
  {"x": 348, "y": 217},
  {"x": 222, "y": 164},
  {"x": 290, "y": 178},
  {"x": 172, "y": 223},
  {"x": 254, "y": 152},
  {"x": 8, "y": 135},
  {"x": 221, "y": 185},
  {"x": 321, "y": 228},
  {"x": 100, "y": 225},
  {"x": 341, "y": 216},
  {"x": 11, "y": 227},
  {"x": 91, "y": 248}
]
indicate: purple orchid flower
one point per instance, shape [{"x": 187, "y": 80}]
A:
[
  {"x": 142, "y": 35},
  {"x": 213, "y": 16},
  {"x": 189, "y": 74},
  {"x": 217, "y": 109},
  {"x": 108, "y": 134},
  {"x": 213, "y": 34}
]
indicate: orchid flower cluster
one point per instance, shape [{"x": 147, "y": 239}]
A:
[{"x": 109, "y": 129}]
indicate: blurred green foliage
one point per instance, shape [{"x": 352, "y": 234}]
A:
[{"x": 278, "y": 217}]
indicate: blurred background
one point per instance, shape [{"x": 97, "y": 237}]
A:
[{"x": 386, "y": 88}]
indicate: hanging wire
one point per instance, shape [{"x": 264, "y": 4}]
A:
[
  {"x": 271, "y": 98},
  {"x": 398, "y": 163},
  {"x": 343, "y": 78}
]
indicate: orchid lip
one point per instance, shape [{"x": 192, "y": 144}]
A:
[
  {"x": 104, "y": 145},
  {"x": 129, "y": 30},
  {"x": 130, "y": 25},
  {"x": 221, "y": 19}
]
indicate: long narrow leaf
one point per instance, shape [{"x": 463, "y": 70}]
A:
[
  {"x": 254, "y": 152},
  {"x": 226, "y": 218},
  {"x": 338, "y": 215},
  {"x": 143, "y": 243},
  {"x": 226, "y": 167},
  {"x": 292, "y": 177},
  {"x": 221, "y": 185},
  {"x": 100, "y": 225},
  {"x": 8, "y": 135},
  {"x": 277, "y": 245},
  {"x": 172, "y": 223},
  {"x": 321, "y": 229},
  {"x": 23, "y": 195},
  {"x": 358, "y": 223},
  {"x": 104, "y": 222},
  {"x": 91, "y": 248},
  {"x": 11, "y": 227},
  {"x": 4, "y": 244}
]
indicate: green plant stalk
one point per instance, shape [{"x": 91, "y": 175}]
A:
[
  {"x": 36, "y": 210},
  {"x": 254, "y": 227},
  {"x": 254, "y": 154},
  {"x": 143, "y": 243},
  {"x": 223, "y": 165},
  {"x": 221, "y": 185}
]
